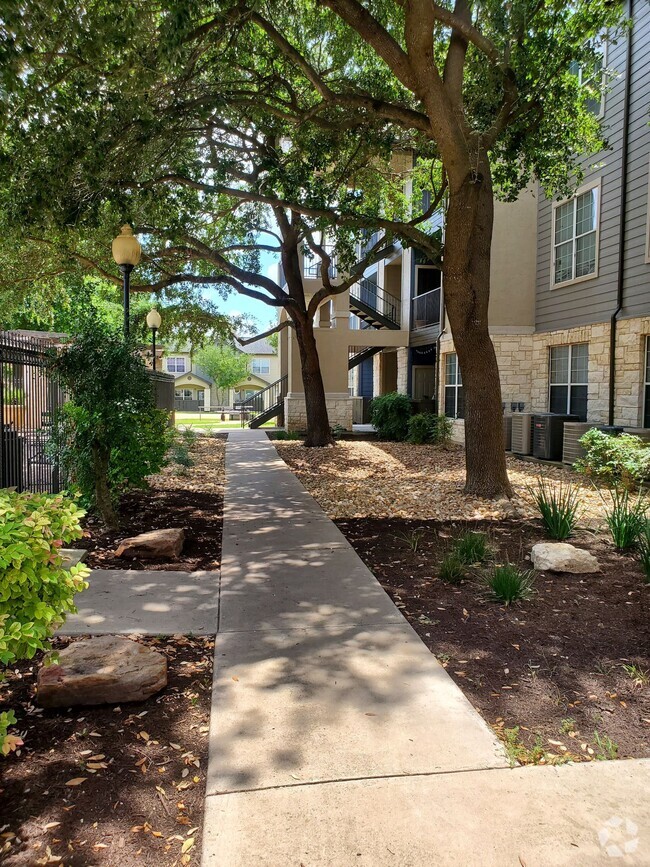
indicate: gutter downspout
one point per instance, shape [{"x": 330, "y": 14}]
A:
[
  {"x": 621, "y": 236},
  {"x": 443, "y": 330}
]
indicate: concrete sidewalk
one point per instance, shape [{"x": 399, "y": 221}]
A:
[{"x": 337, "y": 738}]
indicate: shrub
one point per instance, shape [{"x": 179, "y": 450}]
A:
[
  {"x": 36, "y": 591},
  {"x": 644, "y": 551},
  {"x": 425, "y": 427},
  {"x": 451, "y": 569},
  {"x": 558, "y": 507},
  {"x": 472, "y": 548},
  {"x": 507, "y": 583},
  {"x": 627, "y": 519},
  {"x": 623, "y": 459},
  {"x": 390, "y": 414},
  {"x": 109, "y": 435}
]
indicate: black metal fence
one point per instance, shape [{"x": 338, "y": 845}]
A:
[{"x": 29, "y": 400}]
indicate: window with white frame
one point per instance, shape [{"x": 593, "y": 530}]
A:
[
  {"x": 592, "y": 78},
  {"x": 454, "y": 399},
  {"x": 176, "y": 364},
  {"x": 183, "y": 393},
  {"x": 646, "y": 385},
  {"x": 575, "y": 237},
  {"x": 568, "y": 379},
  {"x": 260, "y": 365}
]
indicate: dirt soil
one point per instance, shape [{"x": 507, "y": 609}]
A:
[
  {"x": 109, "y": 786},
  {"x": 190, "y": 498},
  {"x": 548, "y": 674}
]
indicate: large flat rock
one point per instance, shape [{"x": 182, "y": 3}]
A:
[
  {"x": 103, "y": 670},
  {"x": 154, "y": 545}
]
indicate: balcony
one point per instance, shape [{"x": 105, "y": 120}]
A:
[
  {"x": 426, "y": 310},
  {"x": 311, "y": 267}
]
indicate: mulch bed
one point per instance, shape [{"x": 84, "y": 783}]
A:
[
  {"x": 551, "y": 666},
  {"x": 199, "y": 513},
  {"x": 141, "y": 803}
]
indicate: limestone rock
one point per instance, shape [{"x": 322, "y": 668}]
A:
[
  {"x": 154, "y": 545},
  {"x": 108, "y": 669},
  {"x": 562, "y": 557}
]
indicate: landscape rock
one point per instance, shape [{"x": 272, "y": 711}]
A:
[
  {"x": 562, "y": 557},
  {"x": 72, "y": 556},
  {"x": 154, "y": 545},
  {"x": 108, "y": 669}
]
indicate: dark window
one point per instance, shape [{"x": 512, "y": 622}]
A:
[
  {"x": 454, "y": 398},
  {"x": 428, "y": 279},
  {"x": 646, "y": 384},
  {"x": 569, "y": 366}
]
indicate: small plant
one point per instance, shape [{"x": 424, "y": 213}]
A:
[
  {"x": 643, "y": 544},
  {"x": 558, "y": 507},
  {"x": 413, "y": 538},
  {"x": 451, "y": 569},
  {"x": 179, "y": 454},
  {"x": 189, "y": 436},
  {"x": 518, "y": 752},
  {"x": 626, "y": 519},
  {"x": 390, "y": 414},
  {"x": 607, "y": 748},
  {"x": 286, "y": 435},
  {"x": 472, "y": 548},
  {"x": 567, "y": 725},
  {"x": 337, "y": 431},
  {"x": 426, "y": 427},
  {"x": 639, "y": 675},
  {"x": 507, "y": 583}
]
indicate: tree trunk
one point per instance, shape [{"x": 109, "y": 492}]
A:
[
  {"x": 468, "y": 238},
  {"x": 103, "y": 498},
  {"x": 319, "y": 433}
]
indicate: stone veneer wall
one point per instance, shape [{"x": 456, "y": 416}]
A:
[
  {"x": 402, "y": 369},
  {"x": 630, "y": 369},
  {"x": 339, "y": 409},
  {"x": 376, "y": 375}
]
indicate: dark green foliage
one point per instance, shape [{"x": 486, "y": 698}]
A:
[
  {"x": 109, "y": 436},
  {"x": 507, "y": 583},
  {"x": 558, "y": 507},
  {"x": 623, "y": 459},
  {"x": 644, "y": 551},
  {"x": 627, "y": 519},
  {"x": 425, "y": 427},
  {"x": 472, "y": 548},
  {"x": 451, "y": 569},
  {"x": 390, "y": 415}
]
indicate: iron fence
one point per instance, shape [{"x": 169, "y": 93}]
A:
[{"x": 29, "y": 401}]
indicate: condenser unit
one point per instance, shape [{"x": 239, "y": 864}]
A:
[
  {"x": 521, "y": 433},
  {"x": 642, "y": 432},
  {"x": 571, "y": 448},
  {"x": 507, "y": 432},
  {"x": 548, "y": 435}
]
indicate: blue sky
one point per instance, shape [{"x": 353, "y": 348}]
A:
[{"x": 236, "y": 303}]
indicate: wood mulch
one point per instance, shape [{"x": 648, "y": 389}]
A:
[
  {"x": 564, "y": 675},
  {"x": 190, "y": 498},
  {"x": 113, "y": 785}
]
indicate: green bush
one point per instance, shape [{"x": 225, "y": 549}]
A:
[
  {"x": 390, "y": 414},
  {"x": 472, "y": 548},
  {"x": 623, "y": 459},
  {"x": 36, "y": 591},
  {"x": 507, "y": 583},
  {"x": 644, "y": 551},
  {"x": 425, "y": 427},
  {"x": 109, "y": 436},
  {"x": 558, "y": 507},
  {"x": 451, "y": 569},
  {"x": 627, "y": 519}
]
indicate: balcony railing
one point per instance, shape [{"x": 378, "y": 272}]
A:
[
  {"x": 426, "y": 309},
  {"x": 312, "y": 267}
]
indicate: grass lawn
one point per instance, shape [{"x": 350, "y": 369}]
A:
[{"x": 210, "y": 421}]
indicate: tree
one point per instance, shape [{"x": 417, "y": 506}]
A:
[
  {"x": 136, "y": 131},
  {"x": 490, "y": 88},
  {"x": 223, "y": 363}
]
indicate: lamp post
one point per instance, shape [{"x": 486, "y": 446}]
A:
[
  {"x": 153, "y": 322},
  {"x": 126, "y": 252}
]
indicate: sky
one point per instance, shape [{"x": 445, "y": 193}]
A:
[{"x": 240, "y": 304}]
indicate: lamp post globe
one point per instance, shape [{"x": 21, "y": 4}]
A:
[
  {"x": 126, "y": 253},
  {"x": 153, "y": 322}
]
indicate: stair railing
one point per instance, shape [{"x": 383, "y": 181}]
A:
[
  {"x": 377, "y": 299},
  {"x": 263, "y": 400}
]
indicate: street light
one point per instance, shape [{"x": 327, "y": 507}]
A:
[
  {"x": 153, "y": 322},
  {"x": 126, "y": 252}
]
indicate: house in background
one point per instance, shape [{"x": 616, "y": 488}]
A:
[{"x": 196, "y": 391}]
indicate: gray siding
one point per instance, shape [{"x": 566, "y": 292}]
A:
[{"x": 594, "y": 300}]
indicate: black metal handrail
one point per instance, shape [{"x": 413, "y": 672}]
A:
[
  {"x": 377, "y": 299},
  {"x": 426, "y": 309},
  {"x": 312, "y": 267},
  {"x": 263, "y": 400}
]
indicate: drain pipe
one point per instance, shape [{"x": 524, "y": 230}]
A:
[
  {"x": 621, "y": 237},
  {"x": 443, "y": 330}
]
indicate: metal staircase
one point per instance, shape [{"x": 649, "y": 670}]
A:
[
  {"x": 363, "y": 355},
  {"x": 265, "y": 404},
  {"x": 374, "y": 306}
]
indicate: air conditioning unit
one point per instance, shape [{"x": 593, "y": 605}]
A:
[
  {"x": 548, "y": 435},
  {"x": 571, "y": 448},
  {"x": 507, "y": 432},
  {"x": 522, "y": 424},
  {"x": 642, "y": 432}
]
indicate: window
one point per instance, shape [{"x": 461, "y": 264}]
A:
[
  {"x": 575, "y": 237},
  {"x": 592, "y": 79},
  {"x": 260, "y": 365},
  {"x": 646, "y": 385},
  {"x": 176, "y": 365},
  {"x": 454, "y": 400},
  {"x": 569, "y": 367},
  {"x": 183, "y": 393},
  {"x": 428, "y": 278}
]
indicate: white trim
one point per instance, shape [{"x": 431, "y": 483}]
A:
[
  {"x": 596, "y": 183},
  {"x": 569, "y": 383}
]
